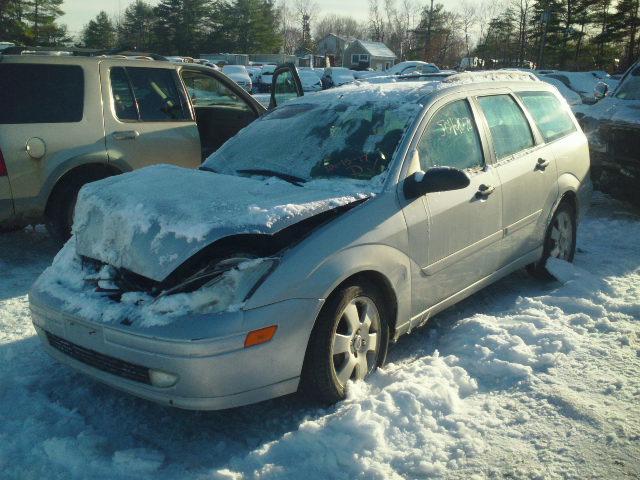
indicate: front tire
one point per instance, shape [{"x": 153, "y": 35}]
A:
[
  {"x": 348, "y": 342},
  {"x": 559, "y": 242}
]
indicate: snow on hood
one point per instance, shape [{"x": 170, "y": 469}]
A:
[{"x": 150, "y": 221}]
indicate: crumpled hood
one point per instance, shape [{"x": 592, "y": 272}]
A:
[{"x": 150, "y": 221}]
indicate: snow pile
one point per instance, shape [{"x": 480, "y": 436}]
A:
[
  {"x": 487, "y": 76},
  {"x": 410, "y": 416}
]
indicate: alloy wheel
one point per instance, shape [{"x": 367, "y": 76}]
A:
[
  {"x": 562, "y": 236},
  {"x": 355, "y": 344}
]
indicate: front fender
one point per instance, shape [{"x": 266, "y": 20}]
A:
[{"x": 321, "y": 281}]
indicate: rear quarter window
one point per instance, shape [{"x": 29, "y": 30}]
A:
[
  {"x": 34, "y": 93},
  {"x": 549, "y": 114}
]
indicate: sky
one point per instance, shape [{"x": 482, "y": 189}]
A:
[{"x": 79, "y": 12}]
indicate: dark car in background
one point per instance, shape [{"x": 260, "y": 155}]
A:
[{"x": 612, "y": 126}]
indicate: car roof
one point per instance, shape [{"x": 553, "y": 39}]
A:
[{"x": 416, "y": 91}]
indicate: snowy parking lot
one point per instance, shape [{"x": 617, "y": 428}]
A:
[{"x": 522, "y": 380}]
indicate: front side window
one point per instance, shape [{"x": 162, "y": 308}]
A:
[
  {"x": 207, "y": 91},
  {"x": 509, "y": 127},
  {"x": 630, "y": 87},
  {"x": 451, "y": 139},
  {"x": 550, "y": 116},
  {"x": 155, "y": 94},
  {"x": 38, "y": 93}
]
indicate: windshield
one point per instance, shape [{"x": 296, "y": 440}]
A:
[
  {"x": 319, "y": 140},
  {"x": 630, "y": 88}
]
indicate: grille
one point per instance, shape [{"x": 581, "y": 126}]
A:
[{"x": 102, "y": 362}]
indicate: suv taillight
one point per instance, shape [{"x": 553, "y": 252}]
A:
[{"x": 3, "y": 166}]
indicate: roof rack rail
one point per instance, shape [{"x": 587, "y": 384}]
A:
[{"x": 81, "y": 52}]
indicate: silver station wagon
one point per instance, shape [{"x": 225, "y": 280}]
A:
[{"x": 313, "y": 238}]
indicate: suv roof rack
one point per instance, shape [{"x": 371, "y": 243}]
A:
[{"x": 81, "y": 52}]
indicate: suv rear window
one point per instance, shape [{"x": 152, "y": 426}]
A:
[
  {"x": 34, "y": 93},
  {"x": 549, "y": 114}
]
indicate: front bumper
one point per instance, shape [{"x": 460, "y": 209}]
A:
[{"x": 213, "y": 373}]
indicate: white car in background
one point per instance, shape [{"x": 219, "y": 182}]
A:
[
  {"x": 583, "y": 83},
  {"x": 310, "y": 81},
  {"x": 337, "y": 76},
  {"x": 264, "y": 80},
  {"x": 412, "y": 66},
  {"x": 569, "y": 95},
  {"x": 239, "y": 74}
]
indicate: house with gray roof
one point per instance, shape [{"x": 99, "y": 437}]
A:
[{"x": 361, "y": 55}]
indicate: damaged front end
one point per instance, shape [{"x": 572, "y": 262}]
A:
[{"x": 218, "y": 278}]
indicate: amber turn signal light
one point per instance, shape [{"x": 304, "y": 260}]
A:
[{"x": 262, "y": 335}]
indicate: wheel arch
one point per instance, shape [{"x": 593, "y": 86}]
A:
[
  {"x": 93, "y": 171},
  {"x": 384, "y": 284}
]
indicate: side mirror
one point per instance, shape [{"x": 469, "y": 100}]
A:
[
  {"x": 600, "y": 91},
  {"x": 285, "y": 85},
  {"x": 436, "y": 179}
]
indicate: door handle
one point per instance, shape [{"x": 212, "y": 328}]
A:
[
  {"x": 485, "y": 190},
  {"x": 126, "y": 135},
  {"x": 542, "y": 164}
]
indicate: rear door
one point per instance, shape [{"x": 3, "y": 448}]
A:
[
  {"x": 527, "y": 170},
  {"x": 454, "y": 236},
  {"x": 147, "y": 116}
]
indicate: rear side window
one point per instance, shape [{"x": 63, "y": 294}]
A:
[
  {"x": 549, "y": 114},
  {"x": 147, "y": 94},
  {"x": 509, "y": 127},
  {"x": 451, "y": 139},
  {"x": 32, "y": 93}
]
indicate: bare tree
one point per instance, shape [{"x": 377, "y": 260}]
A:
[
  {"x": 468, "y": 21},
  {"x": 376, "y": 22}
]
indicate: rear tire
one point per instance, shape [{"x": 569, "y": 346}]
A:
[
  {"x": 559, "y": 241},
  {"x": 61, "y": 206},
  {"x": 348, "y": 342}
]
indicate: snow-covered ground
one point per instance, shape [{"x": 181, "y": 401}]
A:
[{"x": 522, "y": 380}]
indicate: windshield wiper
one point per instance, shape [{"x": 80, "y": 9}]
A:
[
  {"x": 297, "y": 181},
  {"x": 208, "y": 169}
]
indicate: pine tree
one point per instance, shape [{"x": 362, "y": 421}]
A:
[
  {"x": 180, "y": 25},
  {"x": 247, "y": 26},
  {"x": 135, "y": 29},
  {"x": 99, "y": 33},
  {"x": 42, "y": 15}
]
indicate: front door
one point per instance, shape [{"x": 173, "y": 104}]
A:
[
  {"x": 220, "y": 111},
  {"x": 455, "y": 235},
  {"x": 147, "y": 116}
]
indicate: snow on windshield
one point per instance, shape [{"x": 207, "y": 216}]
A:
[{"x": 350, "y": 133}]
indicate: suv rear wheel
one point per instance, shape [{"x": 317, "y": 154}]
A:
[{"x": 62, "y": 204}]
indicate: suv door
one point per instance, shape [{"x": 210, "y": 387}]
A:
[
  {"x": 527, "y": 170},
  {"x": 454, "y": 236},
  {"x": 221, "y": 108},
  {"x": 147, "y": 116}
]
